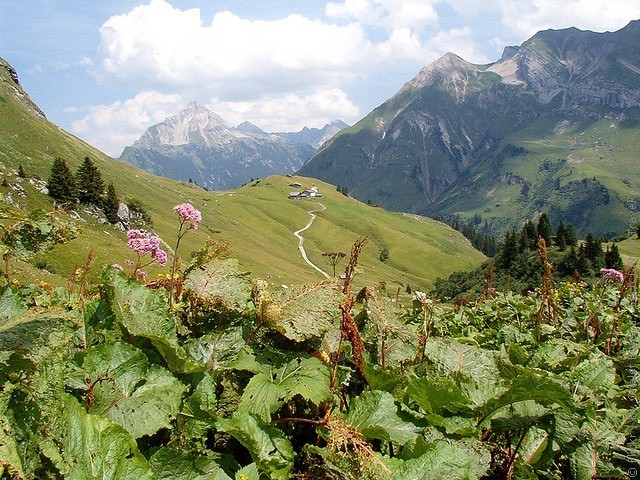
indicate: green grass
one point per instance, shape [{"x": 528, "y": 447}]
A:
[
  {"x": 604, "y": 150},
  {"x": 257, "y": 220}
]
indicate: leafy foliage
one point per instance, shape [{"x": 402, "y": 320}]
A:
[{"x": 244, "y": 380}]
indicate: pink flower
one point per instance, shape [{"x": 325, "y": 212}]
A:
[
  {"x": 141, "y": 274},
  {"x": 612, "y": 273},
  {"x": 129, "y": 263},
  {"x": 159, "y": 256},
  {"x": 188, "y": 213},
  {"x": 143, "y": 242},
  {"x": 117, "y": 267}
]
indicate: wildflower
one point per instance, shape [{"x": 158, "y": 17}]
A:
[
  {"x": 143, "y": 242},
  {"x": 141, "y": 274},
  {"x": 129, "y": 263},
  {"x": 117, "y": 266},
  {"x": 188, "y": 213},
  {"x": 421, "y": 297},
  {"x": 612, "y": 273},
  {"x": 159, "y": 256}
]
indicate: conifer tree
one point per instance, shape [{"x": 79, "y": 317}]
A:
[
  {"x": 561, "y": 236},
  {"x": 593, "y": 250},
  {"x": 89, "y": 182},
  {"x": 570, "y": 236},
  {"x": 569, "y": 263},
  {"x": 21, "y": 172},
  {"x": 583, "y": 262},
  {"x": 61, "y": 183},
  {"x": 508, "y": 251},
  {"x": 544, "y": 228},
  {"x": 612, "y": 258},
  {"x": 110, "y": 204}
]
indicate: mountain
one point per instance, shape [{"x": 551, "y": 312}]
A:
[
  {"x": 315, "y": 137},
  {"x": 257, "y": 221},
  {"x": 198, "y": 144},
  {"x": 552, "y": 126}
]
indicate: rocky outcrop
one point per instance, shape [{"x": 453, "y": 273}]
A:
[{"x": 10, "y": 78}]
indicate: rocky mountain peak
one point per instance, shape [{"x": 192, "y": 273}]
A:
[
  {"x": 195, "y": 124},
  {"x": 450, "y": 71}
]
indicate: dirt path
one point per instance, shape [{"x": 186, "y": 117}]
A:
[{"x": 301, "y": 239}]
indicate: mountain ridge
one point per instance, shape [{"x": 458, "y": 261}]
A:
[
  {"x": 198, "y": 144},
  {"x": 425, "y": 148}
]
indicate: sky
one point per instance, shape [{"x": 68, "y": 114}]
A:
[{"x": 107, "y": 70}]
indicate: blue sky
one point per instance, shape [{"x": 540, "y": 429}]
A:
[{"x": 106, "y": 71}]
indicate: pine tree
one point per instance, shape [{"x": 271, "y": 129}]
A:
[
  {"x": 569, "y": 263},
  {"x": 544, "y": 228},
  {"x": 508, "y": 251},
  {"x": 612, "y": 258},
  {"x": 570, "y": 236},
  {"x": 561, "y": 236},
  {"x": 110, "y": 204},
  {"x": 61, "y": 183},
  {"x": 21, "y": 172},
  {"x": 583, "y": 264},
  {"x": 593, "y": 250},
  {"x": 89, "y": 182}
]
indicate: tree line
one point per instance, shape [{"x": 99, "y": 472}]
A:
[{"x": 85, "y": 187}]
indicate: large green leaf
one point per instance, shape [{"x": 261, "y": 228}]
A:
[
  {"x": 444, "y": 460},
  {"x": 528, "y": 385},
  {"x": 98, "y": 323},
  {"x": 300, "y": 313},
  {"x": 596, "y": 373},
  {"x": 144, "y": 313},
  {"x": 141, "y": 398},
  {"x": 220, "y": 283},
  {"x": 265, "y": 393},
  {"x": 11, "y": 304},
  {"x": 268, "y": 446},
  {"x": 202, "y": 403},
  {"x": 217, "y": 350},
  {"x": 375, "y": 415},
  {"x": 438, "y": 395},
  {"x": 171, "y": 464},
  {"x": 83, "y": 446},
  {"x": 475, "y": 367},
  {"x": 385, "y": 333}
]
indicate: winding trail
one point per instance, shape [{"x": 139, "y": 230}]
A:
[{"x": 301, "y": 239}]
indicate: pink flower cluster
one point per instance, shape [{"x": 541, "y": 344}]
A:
[
  {"x": 612, "y": 273},
  {"x": 143, "y": 242},
  {"x": 188, "y": 213}
]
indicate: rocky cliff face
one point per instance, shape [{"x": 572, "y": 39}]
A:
[
  {"x": 14, "y": 88},
  {"x": 447, "y": 123}
]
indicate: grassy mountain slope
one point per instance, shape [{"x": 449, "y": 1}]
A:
[
  {"x": 584, "y": 172},
  {"x": 257, "y": 220}
]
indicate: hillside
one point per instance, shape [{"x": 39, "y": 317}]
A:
[
  {"x": 552, "y": 126},
  {"x": 257, "y": 220}
]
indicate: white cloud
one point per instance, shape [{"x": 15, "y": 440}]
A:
[
  {"x": 460, "y": 42},
  {"x": 111, "y": 127},
  {"x": 527, "y": 18},
  {"x": 392, "y": 14},
  {"x": 168, "y": 47}
]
